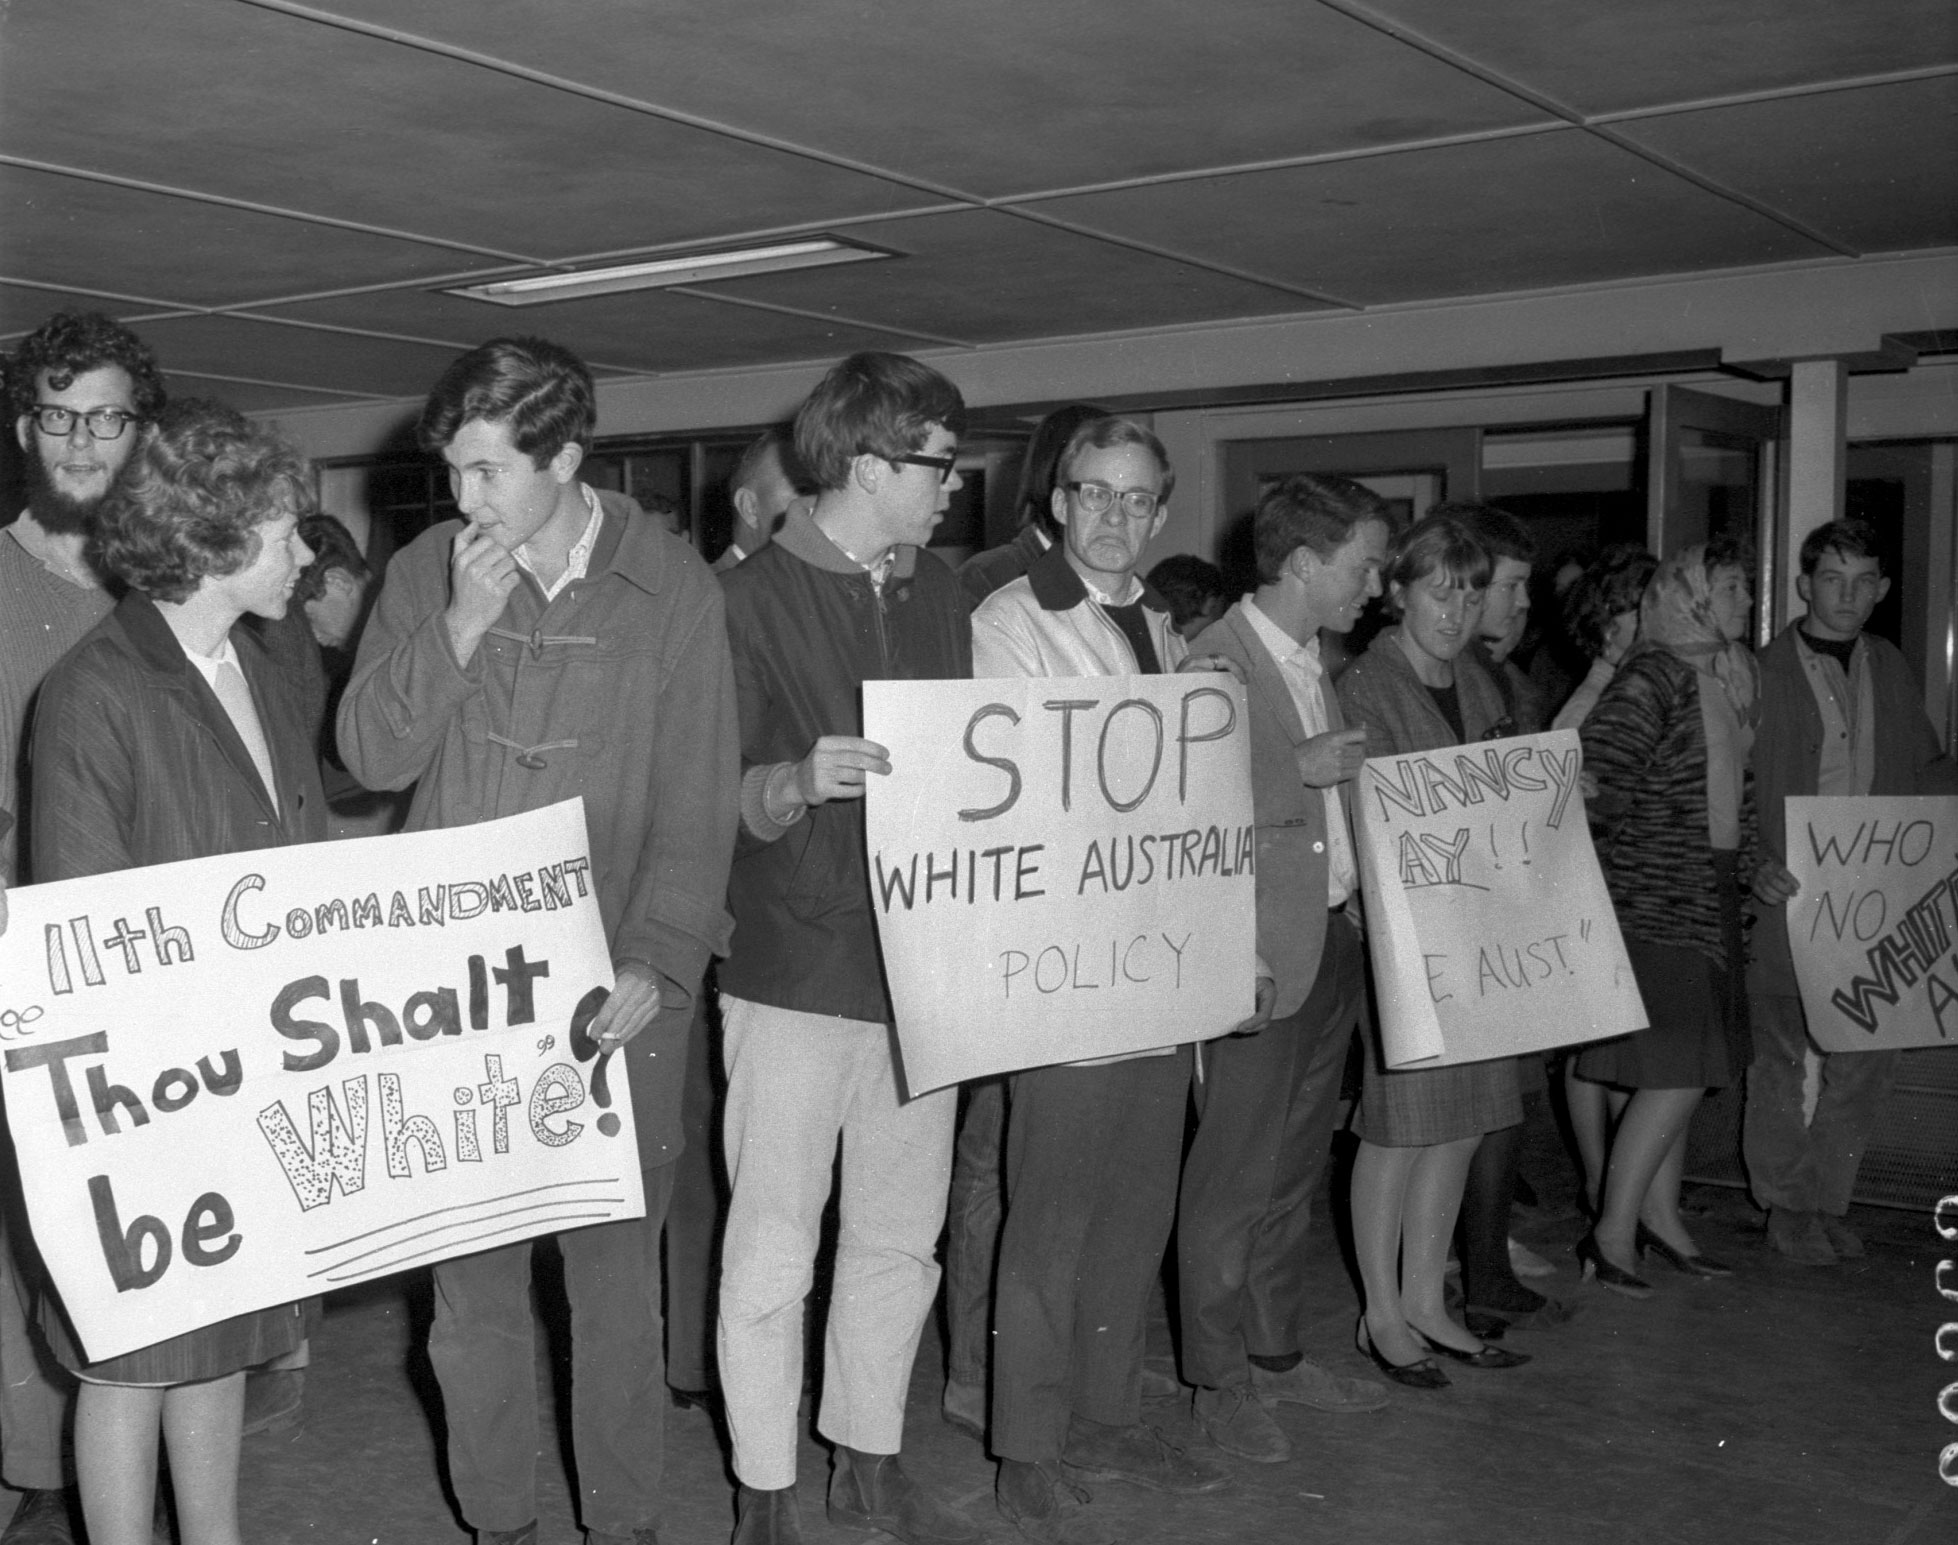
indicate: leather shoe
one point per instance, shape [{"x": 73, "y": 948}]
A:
[
  {"x": 767, "y": 1517},
  {"x": 1045, "y": 1508},
  {"x": 1307, "y": 1384},
  {"x": 1140, "y": 1455},
  {"x": 1799, "y": 1236},
  {"x": 1238, "y": 1423},
  {"x": 1844, "y": 1240},
  {"x": 44, "y": 1518},
  {"x": 872, "y": 1492}
]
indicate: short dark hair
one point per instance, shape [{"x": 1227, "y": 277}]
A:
[
  {"x": 1614, "y": 583},
  {"x": 1108, "y": 433},
  {"x": 333, "y": 548},
  {"x": 776, "y": 439},
  {"x": 1188, "y": 584},
  {"x": 72, "y": 343},
  {"x": 1438, "y": 545},
  {"x": 1043, "y": 454},
  {"x": 191, "y": 499},
  {"x": 1496, "y": 531},
  {"x": 1844, "y": 538},
  {"x": 1307, "y": 509},
  {"x": 540, "y": 389},
  {"x": 872, "y": 404}
]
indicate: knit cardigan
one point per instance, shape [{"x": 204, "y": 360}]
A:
[{"x": 1645, "y": 743}]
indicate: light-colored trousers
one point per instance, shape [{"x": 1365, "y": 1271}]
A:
[{"x": 797, "y": 1084}]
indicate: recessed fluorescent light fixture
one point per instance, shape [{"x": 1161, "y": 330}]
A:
[{"x": 691, "y": 268}]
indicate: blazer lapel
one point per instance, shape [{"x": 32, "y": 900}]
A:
[{"x": 1266, "y": 679}]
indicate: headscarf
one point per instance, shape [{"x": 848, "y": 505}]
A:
[{"x": 1677, "y": 614}]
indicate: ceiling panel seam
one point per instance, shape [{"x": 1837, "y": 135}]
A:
[
  {"x": 192, "y": 195},
  {"x": 1543, "y": 100},
  {"x": 1775, "y": 94},
  {"x": 828, "y": 319}
]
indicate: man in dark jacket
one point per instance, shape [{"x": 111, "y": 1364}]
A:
[
  {"x": 843, "y": 595},
  {"x": 1840, "y": 714},
  {"x": 560, "y": 642}
]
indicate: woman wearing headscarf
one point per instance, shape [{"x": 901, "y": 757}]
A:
[{"x": 1668, "y": 744}]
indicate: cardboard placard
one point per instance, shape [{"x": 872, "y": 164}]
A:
[
  {"x": 239, "y": 1081},
  {"x": 1874, "y": 925},
  {"x": 1487, "y": 916},
  {"x": 1061, "y": 867}
]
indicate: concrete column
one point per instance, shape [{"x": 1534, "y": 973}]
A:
[{"x": 1818, "y": 415}]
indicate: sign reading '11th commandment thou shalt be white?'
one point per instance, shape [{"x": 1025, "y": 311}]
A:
[
  {"x": 1061, "y": 867},
  {"x": 239, "y": 1081}
]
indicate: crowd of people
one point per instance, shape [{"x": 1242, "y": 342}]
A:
[{"x": 194, "y": 660}]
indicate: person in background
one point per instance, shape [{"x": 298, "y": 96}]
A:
[
  {"x": 1266, "y": 1100},
  {"x": 1840, "y": 715},
  {"x": 1194, "y": 590},
  {"x": 80, "y": 388},
  {"x": 558, "y": 642},
  {"x": 762, "y": 489},
  {"x": 165, "y": 735},
  {"x": 1420, "y": 688},
  {"x": 1668, "y": 744},
  {"x": 978, "y": 1195}
]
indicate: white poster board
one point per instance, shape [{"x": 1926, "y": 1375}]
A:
[
  {"x": 238, "y": 1081},
  {"x": 1061, "y": 867},
  {"x": 1874, "y": 925},
  {"x": 1487, "y": 917}
]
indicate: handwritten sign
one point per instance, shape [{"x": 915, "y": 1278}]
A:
[
  {"x": 1874, "y": 928},
  {"x": 1061, "y": 867},
  {"x": 238, "y": 1081},
  {"x": 1490, "y": 927}
]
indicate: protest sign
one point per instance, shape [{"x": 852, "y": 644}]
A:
[
  {"x": 238, "y": 1081},
  {"x": 1874, "y": 925},
  {"x": 1061, "y": 867},
  {"x": 1487, "y": 915}
]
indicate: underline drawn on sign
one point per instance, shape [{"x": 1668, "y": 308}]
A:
[{"x": 398, "y": 1241}]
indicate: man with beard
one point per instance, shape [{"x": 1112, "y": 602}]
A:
[{"x": 80, "y": 387}]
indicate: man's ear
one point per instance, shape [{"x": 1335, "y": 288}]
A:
[
  {"x": 1882, "y": 588},
  {"x": 867, "y": 471},
  {"x": 746, "y": 506},
  {"x": 570, "y": 456},
  {"x": 21, "y": 430},
  {"x": 1805, "y": 583}
]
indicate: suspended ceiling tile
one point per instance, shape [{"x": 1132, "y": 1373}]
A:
[
  {"x": 277, "y": 110},
  {"x": 650, "y": 332},
  {"x": 250, "y": 397},
  {"x": 25, "y": 307},
  {"x": 296, "y": 356},
  {"x": 95, "y": 236},
  {"x": 1536, "y": 213},
  {"x": 1875, "y": 168},
  {"x": 1610, "y": 55},
  {"x": 1003, "y": 98},
  {"x": 991, "y": 277}
]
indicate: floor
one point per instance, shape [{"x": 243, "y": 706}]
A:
[{"x": 1785, "y": 1404}]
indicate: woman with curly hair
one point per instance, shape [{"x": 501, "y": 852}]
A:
[
  {"x": 1668, "y": 744},
  {"x": 168, "y": 734}
]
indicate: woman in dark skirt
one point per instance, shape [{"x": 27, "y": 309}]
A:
[
  {"x": 1415, "y": 690},
  {"x": 1668, "y": 744},
  {"x": 165, "y": 734}
]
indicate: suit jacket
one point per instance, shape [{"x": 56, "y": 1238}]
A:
[
  {"x": 136, "y": 761},
  {"x": 1292, "y": 855}
]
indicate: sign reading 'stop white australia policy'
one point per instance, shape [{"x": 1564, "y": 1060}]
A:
[
  {"x": 239, "y": 1081},
  {"x": 1491, "y": 930},
  {"x": 1061, "y": 867},
  {"x": 1874, "y": 927}
]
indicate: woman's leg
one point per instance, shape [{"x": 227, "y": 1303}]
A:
[
  {"x": 201, "y": 1423},
  {"x": 1655, "y": 1120},
  {"x": 1434, "y": 1197},
  {"x": 1590, "y": 1125},
  {"x": 1660, "y": 1209},
  {"x": 115, "y": 1460},
  {"x": 1380, "y": 1176}
]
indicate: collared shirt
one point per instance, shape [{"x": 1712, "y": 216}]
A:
[
  {"x": 1845, "y": 700},
  {"x": 238, "y": 707},
  {"x": 577, "y": 561},
  {"x": 1304, "y": 676}
]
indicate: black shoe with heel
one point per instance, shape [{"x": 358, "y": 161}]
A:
[
  {"x": 1598, "y": 1265},
  {"x": 1488, "y": 1357},
  {"x": 1421, "y": 1375},
  {"x": 1692, "y": 1265}
]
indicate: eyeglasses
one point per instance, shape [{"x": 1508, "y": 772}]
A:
[
  {"x": 1099, "y": 499},
  {"x": 945, "y": 464},
  {"x": 103, "y": 423}
]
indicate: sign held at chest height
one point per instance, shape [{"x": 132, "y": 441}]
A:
[
  {"x": 1491, "y": 930},
  {"x": 242, "y": 1080},
  {"x": 1061, "y": 867}
]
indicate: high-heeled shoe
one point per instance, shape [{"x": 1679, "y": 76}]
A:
[
  {"x": 1597, "y": 1265},
  {"x": 1421, "y": 1375},
  {"x": 1488, "y": 1357},
  {"x": 1692, "y": 1265}
]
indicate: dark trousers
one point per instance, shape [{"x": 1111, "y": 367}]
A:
[
  {"x": 972, "y": 1219},
  {"x": 697, "y": 1213},
  {"x": 483, "y": 1346},
  {"x": 1265, "y": 1104},
  {"x": 1091, "y": 1162}
]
